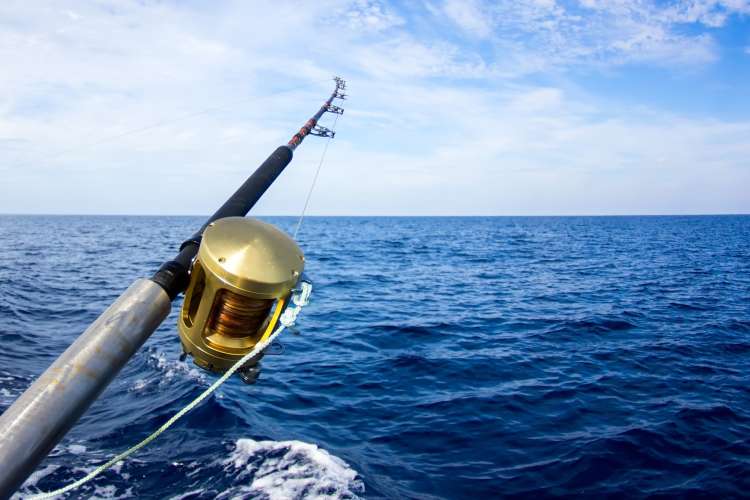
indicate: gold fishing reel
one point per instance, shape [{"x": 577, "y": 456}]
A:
[{"x": 240, "y": 284}]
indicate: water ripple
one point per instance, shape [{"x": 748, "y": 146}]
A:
[{"x": 445, "y": 357}]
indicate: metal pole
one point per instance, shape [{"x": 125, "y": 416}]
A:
[
  {"x": 37, "y": 420},
  {"x": 44, "y": 413}
]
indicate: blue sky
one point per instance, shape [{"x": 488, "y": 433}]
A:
[{"x": 457, "y": 107}]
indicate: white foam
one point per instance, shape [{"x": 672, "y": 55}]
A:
[
  {"x": 77, "y": 449},
  {"x": 281, "y": 470},
  {"x": 170, "y": 368},
  {"x": 139, "y": 384},
  {"x": 174, "y": 367},
  {"x": 103, "y": 491},
  {"x": 110, "y": 492},
  {"x": 33, "y": 479},
  {"x": 187, "y": 494}
]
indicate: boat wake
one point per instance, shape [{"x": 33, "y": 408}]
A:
[
  {"x": 254, "y": 469},
  {"x": 290, "y": 469}
]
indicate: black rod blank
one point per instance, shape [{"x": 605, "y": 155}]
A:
[{"x": 174, "y": 275}]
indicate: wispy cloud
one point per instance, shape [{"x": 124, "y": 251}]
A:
[
  {"x": 435, "y": 114},
  {"x": 553, "y": 34},
  {"x": 469, "y": 16},
  {"x": 370, "y": 16}
]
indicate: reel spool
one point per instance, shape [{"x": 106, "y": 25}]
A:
[{"x": 241, "y": 282}]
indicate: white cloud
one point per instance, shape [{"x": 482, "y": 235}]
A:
[
  {"x": 431, "y": 127},
  {"x": 537, "y": 151},
  {"x": 469, "y": 16},
  {"x": 712, "y": 13},
  {"x": 557, "y": 34},
  {"x": 370, "y": 16},
  {"x": 402, "y": 56}
]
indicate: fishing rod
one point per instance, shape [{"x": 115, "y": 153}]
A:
[{"x": 238, "y": 275}]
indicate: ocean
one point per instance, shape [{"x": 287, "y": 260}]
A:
[{"x": 477, "y": 357}]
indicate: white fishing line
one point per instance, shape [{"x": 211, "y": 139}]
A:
[
  {"x": 315, "y": 178},
  {"x": 176, "y": 119}
]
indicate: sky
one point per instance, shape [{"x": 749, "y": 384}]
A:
[{"x": 456, "y": 107}]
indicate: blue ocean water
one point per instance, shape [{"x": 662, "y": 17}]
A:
[{"x": 440, "y": 358}]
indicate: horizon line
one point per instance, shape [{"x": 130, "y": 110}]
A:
[{"x": 654, "y": 214}]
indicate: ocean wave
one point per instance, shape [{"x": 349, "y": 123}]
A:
[
  {"x": 283, "y": 470},
  {"x": 476, "y": 357}
]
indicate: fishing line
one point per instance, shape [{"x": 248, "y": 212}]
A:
[
  {"x": 315, "y": 178},
  {"x": 178, "y": 119},
  {"x": 288, "y": 319}
]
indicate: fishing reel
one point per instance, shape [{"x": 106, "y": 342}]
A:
[{"x": 240, "y": 284}]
